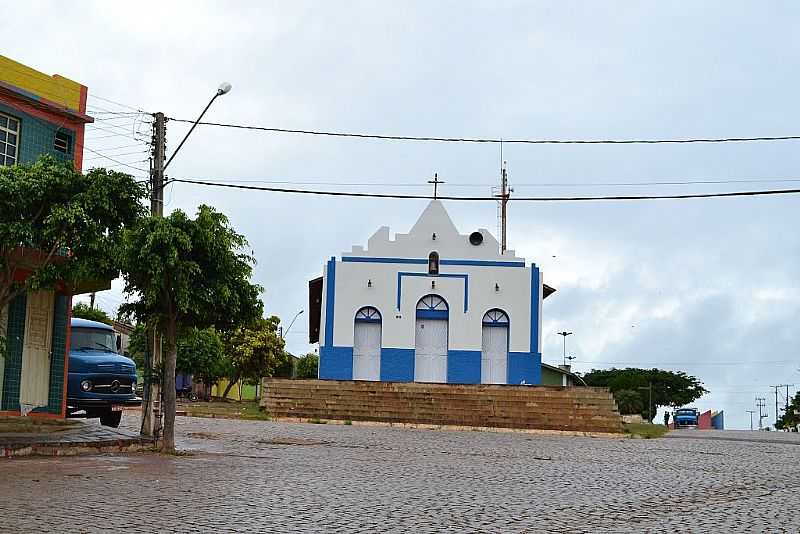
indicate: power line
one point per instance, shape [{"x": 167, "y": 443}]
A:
[
  {"x": 494, "y": 140},
  {"x": 486, "y": 185},
  {"x": 489, "y": 198}
]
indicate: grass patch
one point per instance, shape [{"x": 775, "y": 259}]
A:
[
  {"x": 348, "y": 422},
  {"x": 225, "y": 410},
  {"x": 645, "y": 430},
  {"x": 317, "y": 421}
]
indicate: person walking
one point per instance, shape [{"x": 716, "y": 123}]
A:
[{"x": 666, "y": 419}]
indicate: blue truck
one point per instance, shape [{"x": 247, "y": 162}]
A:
[
  {"x": 100, "y": 382},
  {"x": 686, "y": 417}
]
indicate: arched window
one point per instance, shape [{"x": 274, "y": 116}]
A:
[
  {"x": 495, "y": 317},
  {"x": 367, "y": 344},
  {"x": 432, "y": 303},
  {"x": 368, "y": 314},
  {"x": 433, "y": 263}
]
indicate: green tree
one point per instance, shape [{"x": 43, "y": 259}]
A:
[
  {"x": 57, "y": 224},
  {"x": 202, "y": 355},
  {"x": 629, "y": 401},
  {"x": 670, "y": 388},
  {"x": 307, "y": 366},
  {"x": 255, "y": 351},
  {"x": 83, "y": 311},
  {"x": 791, "y": 417},
  {"x": 182, "y": 273}
]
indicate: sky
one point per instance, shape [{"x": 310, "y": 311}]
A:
[{"x": 709, "y": 287}]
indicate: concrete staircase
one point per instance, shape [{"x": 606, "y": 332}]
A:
[{"x": 579, "y": 409}]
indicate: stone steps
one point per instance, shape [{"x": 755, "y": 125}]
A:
[{"x": 480, "y": 405}]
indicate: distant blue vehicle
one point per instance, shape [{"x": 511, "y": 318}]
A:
[
  {"x": 686, "y": 417},
  {"x": 100, "y": 381}
]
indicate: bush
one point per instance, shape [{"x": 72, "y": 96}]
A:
[
  {"x": 83, "y": 311},
  {"x": 307, "y": 366}
]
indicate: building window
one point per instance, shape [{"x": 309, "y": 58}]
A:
[
  {"x": 9, "y": 140},
  {"x": 63, "y": 142},
  {"x": 433, "y": 263}
]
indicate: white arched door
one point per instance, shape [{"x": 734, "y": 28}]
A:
[
  {"x": 367, "y": 345},
  {"x": 494, "y": 348},
  {"x": 430, "y": 357}
]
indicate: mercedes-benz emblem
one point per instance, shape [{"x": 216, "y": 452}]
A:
[{"x": 115, "y": 386}]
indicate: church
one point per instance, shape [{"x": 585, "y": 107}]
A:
[{"x": 433, "y": 305}]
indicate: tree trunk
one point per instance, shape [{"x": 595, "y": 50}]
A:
[
  {"x": 168, "y": 386},
  {"x": 231, "y": 382}
]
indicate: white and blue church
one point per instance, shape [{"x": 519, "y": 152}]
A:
[{"x": 433, "y": 305}]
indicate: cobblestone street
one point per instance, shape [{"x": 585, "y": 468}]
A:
[{"x": 282, "y": 477}]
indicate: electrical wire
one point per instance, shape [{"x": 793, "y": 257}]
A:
[
  {"x": 489, "y": 198},
  {"x": 516, "y": 184},
  {"x": 494, "y": 140}
]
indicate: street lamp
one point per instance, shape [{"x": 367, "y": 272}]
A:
[
  {"x": 284, "y": 334},
  {"x": 223, "y": 89},
  {"x": 564, "y": 334}
]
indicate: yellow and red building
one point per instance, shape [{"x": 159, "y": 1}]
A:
[{"x": 39, "y": 114}]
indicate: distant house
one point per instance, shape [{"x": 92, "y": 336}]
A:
[
  {"x": 560, "y": 376},
  {"x": 39, "y": 114}
]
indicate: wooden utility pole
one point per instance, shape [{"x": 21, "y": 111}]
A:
[
  {"x": 505, "y": 193},
  {"x": 777, "y": 411},
  {"x": 761, "y": 403},
  {"x": 151, "y": 411},
  {"x": 751, "y": 412}
]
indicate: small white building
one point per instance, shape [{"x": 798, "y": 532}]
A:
[{"x": 432, "y": 305}]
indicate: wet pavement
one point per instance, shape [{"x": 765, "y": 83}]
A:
[
  {"x": 76, "y": 437},
  {"x": 255, "y": 476}
]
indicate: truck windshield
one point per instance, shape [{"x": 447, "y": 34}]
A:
[{"x": 91, "y": 339}]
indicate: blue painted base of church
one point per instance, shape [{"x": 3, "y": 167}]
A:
[{"x": 397, "y": 365}]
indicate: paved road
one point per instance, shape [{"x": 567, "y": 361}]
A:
[{"x": 282, "y": 477}]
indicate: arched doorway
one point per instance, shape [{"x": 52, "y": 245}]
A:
[
  {"x": 367, "y": 344},
  {"x": 430, "y": 357},
  {"x": 494, "y": 348}
]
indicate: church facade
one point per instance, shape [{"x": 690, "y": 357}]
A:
[{"x": 433, "y": 305}]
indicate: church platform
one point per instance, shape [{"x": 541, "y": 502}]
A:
[{"x": 576, "y": 409}]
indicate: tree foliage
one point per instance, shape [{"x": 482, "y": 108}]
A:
[
  {"x": 629, "y": 402},
  {"x": 202, "y": 355},
  {"x": 83, "y": 311},
  {"x": 307, "y": 366},
  {"x": 57, "y": 224},
  {"x": 670, "y": 388},
  {"x": 182, "y": 273},
  {"x": 791, "y": 418},
  {"x": 256, "y": 351}
]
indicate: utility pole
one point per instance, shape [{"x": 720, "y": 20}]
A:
[
  {"x": 91, "y": 300},
  {"x": 761, "y": 403},
  {"x": 777, "y": 411},
  {"x": 151, "y": 411},
  {"x": 751, "y": 412},
  {"x": 505, "y": 194}
]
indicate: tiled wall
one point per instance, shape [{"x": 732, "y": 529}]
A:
[
  {"x": 56, "y": 394},
  {"x": 37, "y": 137},
  {"x": 15, "y": 338}
]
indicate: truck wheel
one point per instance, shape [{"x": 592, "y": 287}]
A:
[{"x": 111, "y": 419}]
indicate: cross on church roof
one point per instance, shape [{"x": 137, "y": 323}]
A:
[{"x": 436, "y": 181}]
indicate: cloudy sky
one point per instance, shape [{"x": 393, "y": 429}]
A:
[{"x": 706, "y": 286}]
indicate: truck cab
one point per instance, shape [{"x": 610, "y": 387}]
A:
[
  {"x": 100, "y": 381},
  {"x": 686, "y": 417}
]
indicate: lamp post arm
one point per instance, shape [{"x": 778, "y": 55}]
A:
[{"x": 185, "y": 137}]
